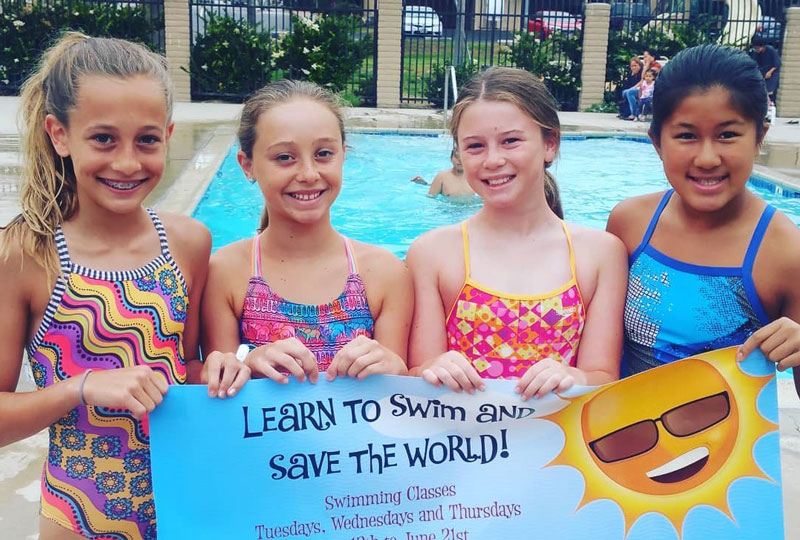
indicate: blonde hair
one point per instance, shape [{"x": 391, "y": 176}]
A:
[
  {"x": 48, "y": 195},
  {"x": 523, "y": 89},
  {"x": 275, "y": 94}
]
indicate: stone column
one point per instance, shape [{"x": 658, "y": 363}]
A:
[
  {"x": 789, "y": 90},
  {"x": 178, "y": 40},
  {"x": 390, "y": 57},
  {"x": 595, "y": 45}
]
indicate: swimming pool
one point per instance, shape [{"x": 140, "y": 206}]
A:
[{"x": 379, "y": 205}]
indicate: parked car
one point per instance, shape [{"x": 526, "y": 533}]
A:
[
  {"x": 421, "y": 20},
  {"x": 546, "y": 23},
  {"x": 629, "y": 16},
  {"x": 770, "y": 29}
]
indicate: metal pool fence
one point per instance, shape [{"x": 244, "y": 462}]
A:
[{"x": 542, "y": 36}]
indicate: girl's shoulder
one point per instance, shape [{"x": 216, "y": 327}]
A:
[
  {"x": 781, "y": 245},
  {"x": 20, "y": 272},
  {"x": 189, "y": 240},
  {"x": 595, "y": 243},
  {"x": 629, "y": 219},
  {"x": 440, "y": 241},
  {"x": 371, "y": 258}
]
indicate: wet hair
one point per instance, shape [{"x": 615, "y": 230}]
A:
[
  {"x": 697, "y": 70},
  {"x": 48, "y": 195},
  {"x": 272, "y": 95},
  {"x": 523, "y": 89}
]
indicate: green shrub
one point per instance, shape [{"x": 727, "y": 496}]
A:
[
  {"x": 434, "y": 85},
  {"x": 231, "y": 59},
  {"x": 25, "y": 32},
  {"x": 328, "y": 50},
  {"x": 557, "y": 60}
]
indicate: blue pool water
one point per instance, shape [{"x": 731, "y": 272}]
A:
[{"x": 379, "y": 205}]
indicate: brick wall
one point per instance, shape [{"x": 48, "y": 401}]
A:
[
  {"x": 789, "y": 90},
  {"x": 390, "y": 28},
  {"x": 176, "y": 30},
  {"x": 595, "y": 45}
]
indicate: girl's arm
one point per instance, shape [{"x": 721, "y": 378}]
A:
[
  {"x": 428, "y": 354},
  {"x": 436, "y": 185},
  {"x": 138, "y": 389},
  {"x": 390, "y": 295},
  {"x": 219, "y": 323},
  {"x": 603, "y": 291},
  {"x": 190, "y": 243}
]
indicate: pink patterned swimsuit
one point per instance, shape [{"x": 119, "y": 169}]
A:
[
  {"x": 324, "y": 329},
  {"x": 505, "y": 334}
]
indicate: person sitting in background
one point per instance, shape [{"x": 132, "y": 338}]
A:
[
  {"x": 646, "y": 95},
  {"x": 630, "y": 88},
  {"x": 769, "y": 64},
  {"x": 650, "y": 62},
  {"x": 448, "y": 182}
]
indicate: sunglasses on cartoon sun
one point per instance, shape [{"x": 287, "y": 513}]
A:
[{"x": 681, "y": 421}]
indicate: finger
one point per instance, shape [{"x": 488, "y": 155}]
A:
[
  {"x": 308, "y": 362},
  {"x": 781, "y": 351},
  {"x": 140, "y": 396},
  {"x": 447, "y": 378},
  {"x": 754, "y": 341},
  {"x": 228, "y": 374},
  {"x": 373, "y": 356},
  {"x": 287, "y": 363},
  {"x": 372, "y": 369},
  {"x": 550, "y": 384},
  {"x": 458, "y": 373},
  {"x": 265, "y": 369},
  {"x": 791, "y": 361},
  {"x": 341, "y": 362},
  {"x": 160, "y": 381},
  {"x": 242, "y": 376},
  {"x": 773, "y": 343},
  {"x": 529, "y": 375},
  {"x": 566, "y": 383},
  {"x": 475, "y": 378},
  {"x": 212, "y": 371},
  {"x": 430, "y": 377}
]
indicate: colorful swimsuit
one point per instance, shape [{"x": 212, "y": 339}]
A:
[
  {"x": 505, "y": 334},
  {"x": 324, "y": 329},
  {"x": 675, "y": 309},
  {"x": 96, "y": 479}
]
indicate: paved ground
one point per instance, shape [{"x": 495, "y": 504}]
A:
[{"x": 203, "y": 134}]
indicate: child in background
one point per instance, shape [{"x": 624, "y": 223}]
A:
[
  {"x": 300, "y": 295},
  {"x": 646, "y": 95},
  {"x": 710, "y": 262},
  {"x": 100, "y": 289},
  {"x": 558, "y": 319},
  {"x": 449, "y": 182}
]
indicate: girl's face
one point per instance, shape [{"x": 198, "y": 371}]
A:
[
  {"x": 503, "y": 152},
  {"x": 116, "y": 138},
  {"x": 297, "y": 160},
  {"x": 708, "y": 149},
  {"x": 649, "y": 77}
]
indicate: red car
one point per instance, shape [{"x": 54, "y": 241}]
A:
[{"x": 546, "y": 23}]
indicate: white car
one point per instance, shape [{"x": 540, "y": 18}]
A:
[{"x": 421, "y": 20}]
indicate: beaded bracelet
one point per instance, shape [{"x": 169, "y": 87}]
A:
[{"x": 80, "y": 386}]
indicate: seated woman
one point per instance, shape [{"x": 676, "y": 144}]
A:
[{"x": 630, "y": 88}]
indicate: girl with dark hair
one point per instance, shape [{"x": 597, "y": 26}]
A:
[
  {"x": 711, "y": 264},
  {"x": 514, "y": 292}
]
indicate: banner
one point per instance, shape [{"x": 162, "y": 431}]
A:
[{"x": 686, "y": 451}]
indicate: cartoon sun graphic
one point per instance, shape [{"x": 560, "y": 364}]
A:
[{"x": 668, "y": 439}]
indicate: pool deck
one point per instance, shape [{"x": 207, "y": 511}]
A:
[{"x": 203, "y": 134}]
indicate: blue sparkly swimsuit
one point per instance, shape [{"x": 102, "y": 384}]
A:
[{"x": 675, "y": 309}]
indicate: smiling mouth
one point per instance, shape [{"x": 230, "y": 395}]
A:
[
  {"x": 306, "y": 196},
  {"x": 708, "y": 181},
  {"x": 494, "y": 182},
  {"x": 682, "y": 467},
  {"x": 122, "y": 186}
]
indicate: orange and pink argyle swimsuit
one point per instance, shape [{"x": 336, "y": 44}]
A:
[{"x": 503, "y": 335}]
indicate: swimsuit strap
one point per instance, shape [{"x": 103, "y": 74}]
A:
[
  {"x": 465, "y": 241},
  {"x": 758, "y": 236},
  {"x": 653, "y": 222},
  {"x": 162, "y": 233},
  {"x": 255, "y": 258},
  {"x": 351, "y": 258},
  {"x": 571, "y": 251}
]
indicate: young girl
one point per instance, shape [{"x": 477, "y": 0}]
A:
[
  {"x": 300, "y": 295},
  {"x": 710, "y": 262},
  {"x": 646, "y": 95},
  {"x": 514, "y": 292},
  {"x": 97, "y": 289}
]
